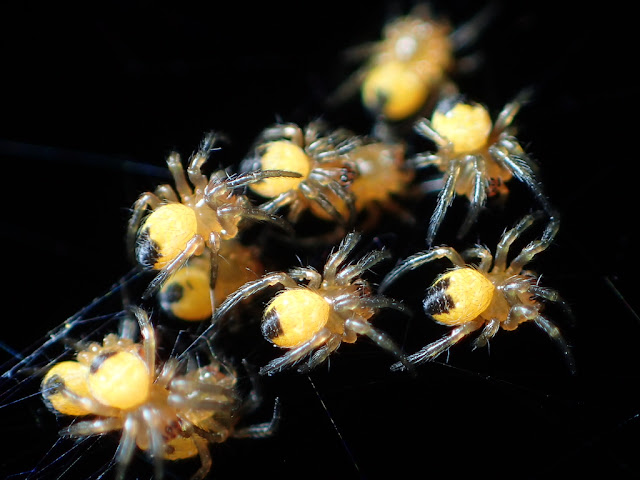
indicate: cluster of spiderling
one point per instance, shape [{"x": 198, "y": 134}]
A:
[{"x": 203, "y": 238}]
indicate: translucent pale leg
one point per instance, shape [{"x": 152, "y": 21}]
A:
[
  {"x": 126, "y": 447},
  {"x": 535, "y": 247},
  {"x": 362, "y": 327},
  {"x": 554, "y": 332},
  {"x": 445, "y": 198},
  {"x": 295, "y": 355},
  {"x": 351, "y": 272},
  {"x": 205, "y": 458},
  {"x": 478, "y": 197},
  {"x": 261, "y": 430},
  {"x": 419, "y": 259},
  {"x": 431, "y": 351},
  {"x": 193, "y": 247},
  {"x": 488, "y": 332},
  {"x": 251, "y": 288},
  {"x": 507, "y": 239},
  {"x": 339, "y": 256}
]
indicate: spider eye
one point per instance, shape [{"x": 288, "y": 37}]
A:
[
  {"x": 282, "y": 155},
  {"x": 164, "y": 234},
  {"x": 294, "y": 316},
  {"x": 459, "y": 296},
  {"x": 119, "y": 379},
  {"x": 394, "y": 90},
  {"x": 466, "y": 125},
  {"x": 71, "y": 376}
]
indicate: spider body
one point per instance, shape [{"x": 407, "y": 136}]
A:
[
  {"x": 411, "y": 65},
  {"x": 382, "y": 176},
  {"x": 476, "y": 156},
  {"x": 320, "y": 157},
  {"x": 312, "y": 319},
  {"x": 186, "y": 293},
  {"x": 162, "y": 409},
  {"x": 408, "y": 64},
  {"x": 489, "y": 296},
  {"x": 188, "y": 221}
]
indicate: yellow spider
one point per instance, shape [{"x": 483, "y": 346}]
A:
[
  {"x": 319, "y": 156},
  {"x": 190, "y": 221},
  {"x": 186, "y": 293},
  {"x": 312, "y": 319},
  {"x": 476, "y": 155},
  {"x": 168, "y": 411},
  {"x": 410, "y": 65},
  {"x": 490, "y": 295},
  {"x": 382, "y": 175}
]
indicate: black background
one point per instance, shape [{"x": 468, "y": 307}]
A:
[{"x": 94, "y": 99}]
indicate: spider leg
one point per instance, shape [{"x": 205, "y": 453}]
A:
[
  {"x": 260, "y": 215},
  {"x": 362, "y": 327},
  {"x": 508, "y": 238},
  {"x": 254, "y": 176},
  {"x": 149, "y": 340},
  {"x": 193, "y": 247},
  {"x": 126, "y": 447},
  {"x": 488, "y": 332},
  {"x": 214, "y": 262},
  {"x": 419, "y": 259},
  {"x": 249, "y": 289},
  {"x": 478, "y": 196},
  {"x": 295, "y": 355},
  {"x": 261, "y": 430},
  {"x": 510, "y": 110},
  {"x": 445, "y": 197},
  {"x": 321, "y": 354},
  {"x": 182, "y": 386},
  {"x": 290, "y": 131},
  {"x": 336, "y": 188},
  {"x": 156, "y": 441},
  {"x": 312, "y": 191},
  {"x": 554, "y": 332},
  {"x": 483, "y": 254},
  {"x": 278, "y": 202},
  {"x": 349, "y": 273},
  {"x": 376, "y": 302},
  {"x": 535, "y": 247},
  {"x": 338, "y": 256},
  {"x": 552, "y": 295},
  {"x": 431, "y": 351},
  {"x": 146, "y": 200},
  {"x": 313, "y": 277},
  {"x": 179, "y": 178},
  {"x": 205, "y": 457},
  {"x": 194, "y": 171},
  {"x": 92, "y": 427},
  {"x": 510, "y": 156},
  {"x": 423, "y": 127}
]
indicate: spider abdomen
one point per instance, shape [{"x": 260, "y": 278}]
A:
[
  {"x": 294, "y": 316},
  {"x": 459, "y": 296}
]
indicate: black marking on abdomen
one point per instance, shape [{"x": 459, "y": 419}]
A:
[
  {"x": 271, "y": 327},
  {"x": 437, "y": 300},
  {"x": 99, "y": 360}
]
